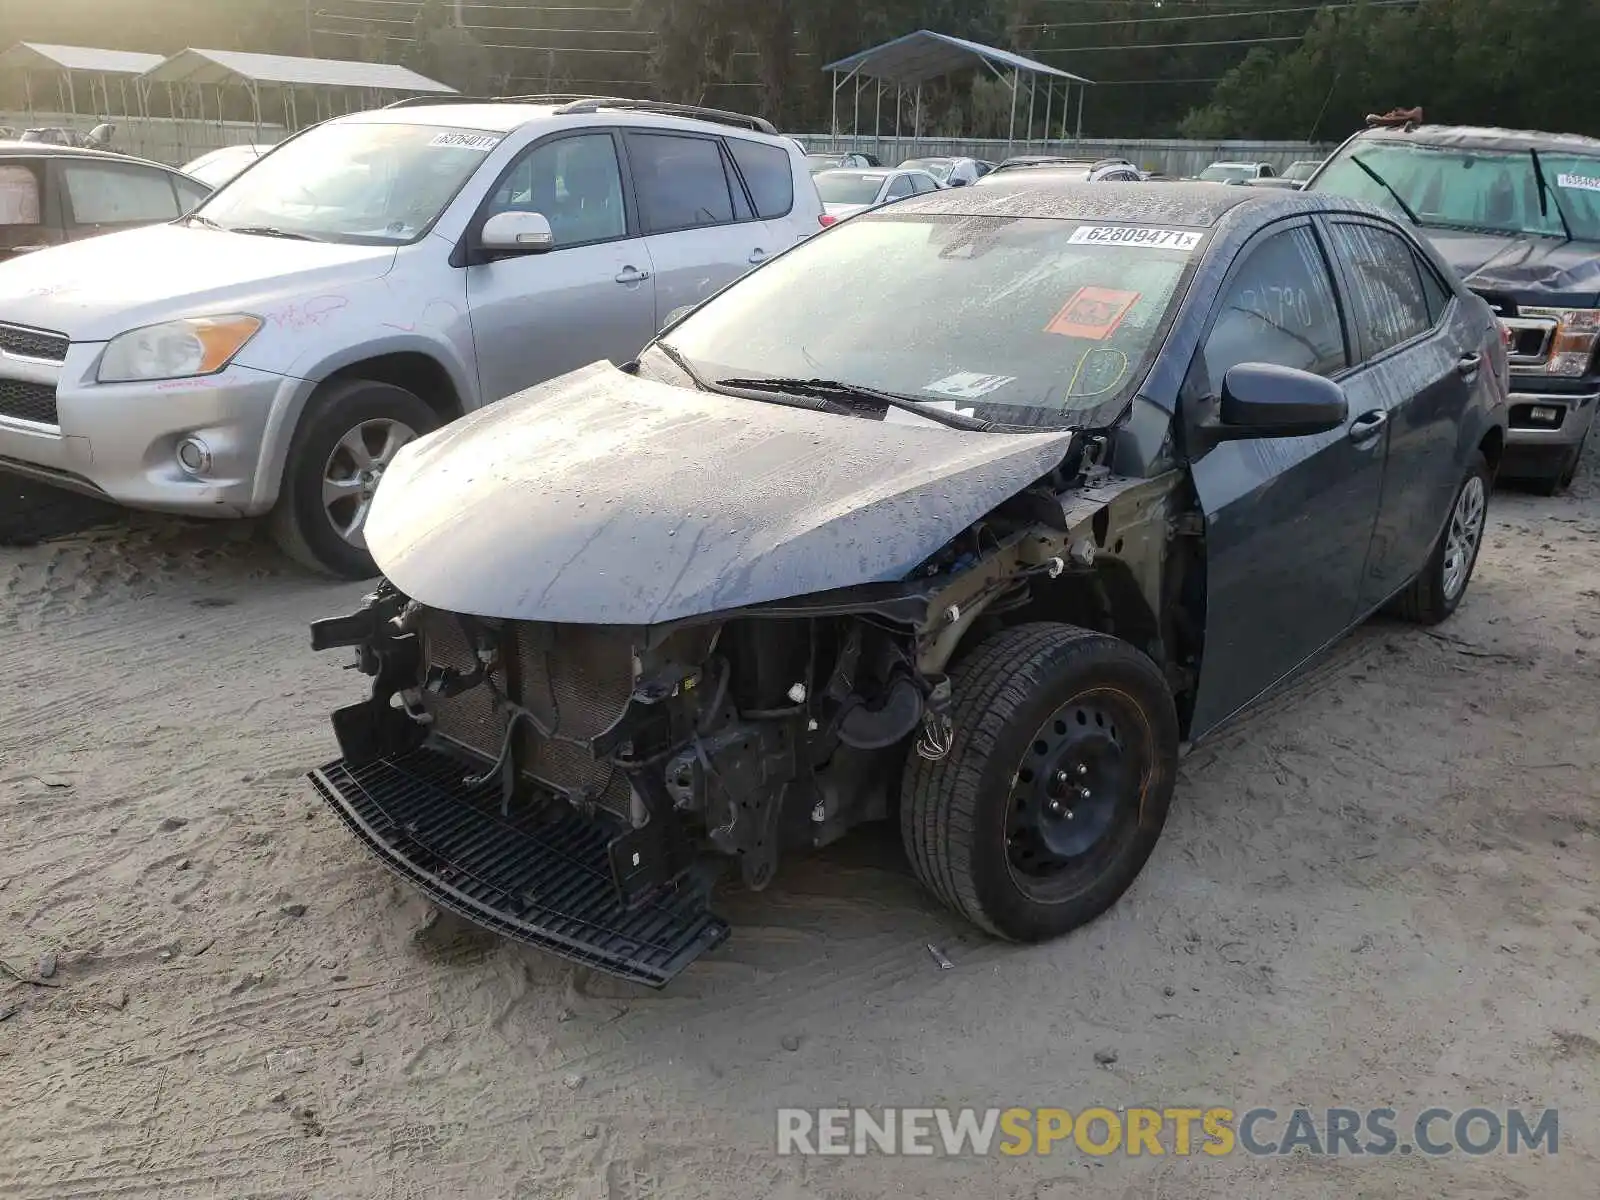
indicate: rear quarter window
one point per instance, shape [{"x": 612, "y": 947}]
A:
[{"x": 767, "y": 174}]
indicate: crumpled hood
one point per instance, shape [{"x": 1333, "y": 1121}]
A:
[
  {"x": 95, "y": 289},
  {"x": 601, "y": 498},
  {"x": 1531, "y": 270}
]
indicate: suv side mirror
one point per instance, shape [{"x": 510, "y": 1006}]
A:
[
  {"x": 676, "y": 315},
  {"x": 957, "y": 181},
  {"x": 1266, "y": 400},
  {"x": 517, "y": 233}
]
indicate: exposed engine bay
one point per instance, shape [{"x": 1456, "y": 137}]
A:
[{"x": 633, "y": 763}]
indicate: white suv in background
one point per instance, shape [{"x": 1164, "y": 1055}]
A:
[{"x": 367, "y": 281}]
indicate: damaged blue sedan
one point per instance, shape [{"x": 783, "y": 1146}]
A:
[{"x": 977, "y": 549}]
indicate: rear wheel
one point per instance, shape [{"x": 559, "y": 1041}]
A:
[
  {"x": 345, "y": 442},
  {"x": 1057, "y": 784},
  {"x": 1437, "y": 590}
]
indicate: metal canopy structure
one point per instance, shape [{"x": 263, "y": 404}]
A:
[
  {"x": 189, "y": 73},
  {"x": 916, "y": 58},
  {"x": 68, "y": 64}
]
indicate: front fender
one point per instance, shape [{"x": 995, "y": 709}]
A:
[{"x": 451, "y": 348}]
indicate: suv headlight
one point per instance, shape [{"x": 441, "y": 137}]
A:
[
  {"x": 1573, "y": 344},
  {"x": 176, "y": 349}
]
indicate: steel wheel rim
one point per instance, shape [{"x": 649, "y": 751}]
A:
[
  {"x": 1080, "y": 776},
  {"x": 1463, "y": 536},
  {"x": 353, "y": 471}
]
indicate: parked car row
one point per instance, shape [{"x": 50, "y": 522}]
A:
[{"x": 1069, "y": 475}]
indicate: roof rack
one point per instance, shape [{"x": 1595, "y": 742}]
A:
[
  {"x": 589, "y": 104},
  {"x": 572, "y": 103}
]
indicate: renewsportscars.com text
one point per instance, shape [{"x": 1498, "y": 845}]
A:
[{"x": 1216, "y": 1131}]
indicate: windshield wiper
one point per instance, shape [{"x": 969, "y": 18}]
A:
[
  {"x": 833, "y": 389},
  {"x": 272, "y": 231},
  {"x": 1384, "y": 184},
  {"x": 1546, "y": 195},
  {"x": 197, "y": 219}
]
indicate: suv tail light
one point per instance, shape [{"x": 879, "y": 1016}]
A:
[{"x": 826, "y": 219}]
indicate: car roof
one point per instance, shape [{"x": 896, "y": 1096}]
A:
[
  {"x": 1484, "y": 137},
  {"x": 16, "y": 149},
  {"x": 1234, "y": 163},
  {"x": 505, "y": 116},
  {"x": 1178, "y": 204}
]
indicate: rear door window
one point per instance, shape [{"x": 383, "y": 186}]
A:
[
  {"x": 100, "y": 194},
  {"x": 1279, "y": 308},
  {"x": 767, "y": 174},
  {"x": 680, "y": 181},
  {"x": 1390, "y": 304}
]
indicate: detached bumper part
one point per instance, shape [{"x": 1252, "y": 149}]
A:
[{"x": 547, "y": 883}]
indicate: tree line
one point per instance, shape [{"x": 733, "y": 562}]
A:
[{"x": 1294, "y": 69}]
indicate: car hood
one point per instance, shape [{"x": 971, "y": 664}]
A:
[
  {"x": 601, "y": 498},
  {"x": 1526, "y": 267},
  {"x": 95, "y": 289}
]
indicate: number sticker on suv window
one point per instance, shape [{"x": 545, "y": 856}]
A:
[
  {"x": 483, "y": 142},
  {"x": 1134, "y": 235}
]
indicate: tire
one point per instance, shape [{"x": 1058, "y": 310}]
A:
[
  {"x": 1556, "y": 484},
  {"x": 1437, "y": 590},
  {"x": 975, "y": 824},
  {"x": 354, "y": 412}
]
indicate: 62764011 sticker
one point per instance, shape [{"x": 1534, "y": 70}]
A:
[
  {"x": 1093, "y": 313},
  {"x": 483, "y": 142},
  {"x": 1140, "y": 236}
]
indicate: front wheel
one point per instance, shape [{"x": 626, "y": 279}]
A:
[
  {"x": 1437, "y": 590},
  {"x": 346, "y": 440},
  {"x": 1057, "y": 784}
]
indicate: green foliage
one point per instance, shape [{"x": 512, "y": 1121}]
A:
[{"x": 1205, "y": 68}]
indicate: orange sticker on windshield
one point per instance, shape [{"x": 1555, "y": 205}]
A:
[{"x": 1093, "y": 313}]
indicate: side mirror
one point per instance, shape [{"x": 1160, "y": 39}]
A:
[
  {"x": 1266, "y": 400},
  {"x": 517, "y": 233},
  {"x": 676, "y": 315},
  {"x": 957, "y": 182}
]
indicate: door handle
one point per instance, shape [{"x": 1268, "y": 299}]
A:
[
  {"x": 1468, "y": 364},
  {"x": 1367, "y": 425},
  {"x": 632, "y": 275},
  {"x": 758, "y": 255}
]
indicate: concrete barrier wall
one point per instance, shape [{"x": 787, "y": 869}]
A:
[
  {"x": 1170, "y": 156},
  {"x": 160, "y": 138}
]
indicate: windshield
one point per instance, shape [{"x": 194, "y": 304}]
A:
[
  {"x": 352, "y": 181},
  {"x": 1021, "y": 320},
  {"x": 939, "y": 168},
  {"x": 1454, "y": 187},
  {"x": 1227, "y": 172},
  {"x": 849, "y": 187}
]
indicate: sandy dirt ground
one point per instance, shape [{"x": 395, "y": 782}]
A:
[{"x": 1378, "y": 889}]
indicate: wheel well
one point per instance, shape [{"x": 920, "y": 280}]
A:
[
  {"x": 1494, "y": 442},
  {"x": 416, "y": 372}
]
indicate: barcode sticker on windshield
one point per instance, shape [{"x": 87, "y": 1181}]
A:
[
  {"x": 483, "y": 142},
  {"x": 968, "y": 385},
  {"x": 1583, "y": 183},
  {"x": 1134, "y": 235}
]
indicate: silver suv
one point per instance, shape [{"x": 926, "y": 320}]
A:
[{"x": 367, "y": 281}]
